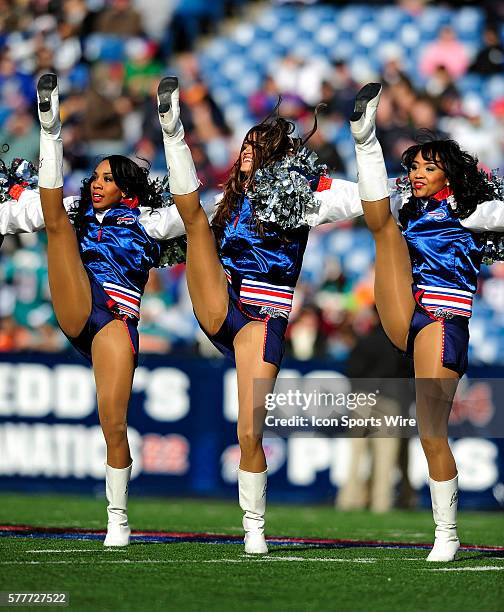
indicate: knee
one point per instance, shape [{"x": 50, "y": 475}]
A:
[
  {"x": 115, "y": 434},
  {"x": 250, "y": 442},
  {"x": 114, "y": 430},
  {"x": 434, "y": 447}
]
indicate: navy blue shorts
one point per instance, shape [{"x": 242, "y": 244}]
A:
[
  {"x": 238, "y": 316},
  {"x": 455, "y": 338},
  {"x": 102, "y": 312}
]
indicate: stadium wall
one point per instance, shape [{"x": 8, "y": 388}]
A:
[{"x": 182, "y": 431}]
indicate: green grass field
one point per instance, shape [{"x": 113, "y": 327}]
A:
[{"x": 203, "y": 576}]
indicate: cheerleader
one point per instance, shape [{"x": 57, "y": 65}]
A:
[
  {"x": 426, "y": 276},
  {"x": 241, "y": 272},
  {"x": 97, "y": 272}
]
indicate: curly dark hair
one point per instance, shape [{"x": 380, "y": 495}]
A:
[
  {"x": 271, "y": 140},
  {"x": 470, "y": 186},
  {"x": 131, "y": 178}
]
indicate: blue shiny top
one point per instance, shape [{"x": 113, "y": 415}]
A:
[
  {"x": 118, "y": 249},
  {"x": 274, "y": 258},
  {"x": 443, "y": 252}
]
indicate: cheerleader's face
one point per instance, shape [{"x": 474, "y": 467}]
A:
[
  {"x": 246, "y": 158},
  {"x": 104, "y": 191},
  {"x": 426, "y": 177}
]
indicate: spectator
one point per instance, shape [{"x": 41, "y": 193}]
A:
[
  {"x": 22, "y": 136},
  {"x": 306, "y": 340},
  {"x": 373, "y": 357},
  {"x": 446, "y": 51},
  {"x": 119, "y": 19},
  {"x": 104, "y": 109},
  {"x": 490, "y": 59}
]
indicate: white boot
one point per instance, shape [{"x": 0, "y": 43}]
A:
[
  {"x": 373, "y": 180},
  {"x": 444, "y": 497},
  {"x": 252, "y": 497},
  {"x": 118, "y": 531},
  {"x": 51, "y": 146},
  {"x": 183, "y": 178}
]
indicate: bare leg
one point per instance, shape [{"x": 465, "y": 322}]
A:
[
  {"x": 256, "y": 378},
  {"x": 206, "y": 280},
  {"x": 205, "y": 277},
  {"x": 68, "y": 281},
  {"x": 393, "y": 277},
  {"x": 435, "y": 388},
  {"x": 113, "y": 370}
]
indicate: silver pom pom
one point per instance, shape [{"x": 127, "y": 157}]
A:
[
  {"x": 282, "y": 192},
  {"x": 20, "y": 172},
  {"x": 173, "y": 252}
]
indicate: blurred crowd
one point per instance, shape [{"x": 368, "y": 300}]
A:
[{"x": 110, "y": 55}]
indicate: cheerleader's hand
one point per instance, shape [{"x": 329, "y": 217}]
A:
[{"x": 169, "y": 110}]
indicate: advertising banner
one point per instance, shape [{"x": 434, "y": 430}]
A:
[{"x": 182, "y": 430}]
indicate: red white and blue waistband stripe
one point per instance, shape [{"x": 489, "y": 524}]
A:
[
  {"x": 261, "y": 294},
  {"x": 128, "y": 300},
  {"x": 454, "y": 301}
]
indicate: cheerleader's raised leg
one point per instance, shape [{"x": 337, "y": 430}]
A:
[
  {"x": 435, "y": 384},
  {"x": 72, "y": 302}
]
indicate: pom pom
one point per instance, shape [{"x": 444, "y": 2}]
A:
[
  {"x": 282, "y": 193},
  {"x": 20, "y": 173},
  {"x": 403, "y": 188},
  {"x": 173, "y": 251},
  {"x": 494, "y": 241}
]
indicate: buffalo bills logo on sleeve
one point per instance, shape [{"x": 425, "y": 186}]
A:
[{"x": 126, "y": 220}]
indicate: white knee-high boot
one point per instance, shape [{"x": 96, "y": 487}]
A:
[
  {"x": 444, "y": 496},
  {"x": 182, "y": 173},
  {"x": 373, "y": 181},
  {"x": 252, "y": 497},
  {"x": 118, "y": 530},
  {"x": 51, "y": 146}
]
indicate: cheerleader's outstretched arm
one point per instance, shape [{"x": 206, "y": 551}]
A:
[
  {"x": 166, "y": 223},
  {"x": 340, "y": 200},
  {"x": 488, "y": 217},
  {"x": 24, "y": 215}
]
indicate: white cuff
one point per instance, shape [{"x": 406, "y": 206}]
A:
[{"x": 51, "y": 162}]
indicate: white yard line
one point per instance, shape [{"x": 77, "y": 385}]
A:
[
  {"x": 78, "y": 550},
  {"x": 481, "y": 568}
]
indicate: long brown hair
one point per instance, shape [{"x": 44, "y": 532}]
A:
[{"x": 271, "y": 140}]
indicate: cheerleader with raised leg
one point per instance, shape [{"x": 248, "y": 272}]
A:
[
  {"x": 241, "y": 272},
  {"x": 426, "y": 275},
  {"x": 98, "y": 267}
]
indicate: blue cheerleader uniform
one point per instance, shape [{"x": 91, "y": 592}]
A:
[
  {"x": 118, "y": 247},
  {"x": 262, "y": 270},
  {"x": 117, "y": 254},
  {"x": 446, "y": 254}
]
